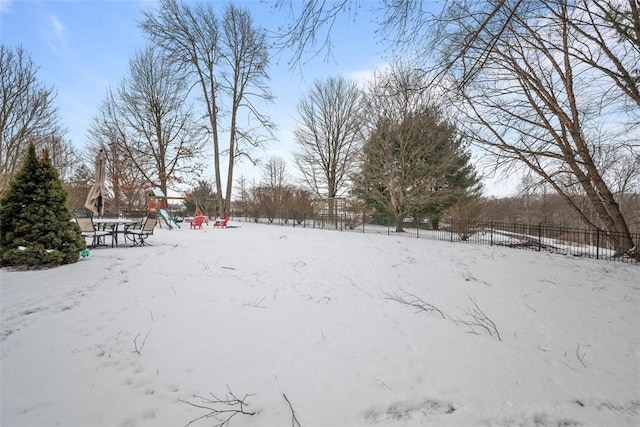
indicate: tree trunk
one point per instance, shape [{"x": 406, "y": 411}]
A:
[{"x": 399, "y": 224}]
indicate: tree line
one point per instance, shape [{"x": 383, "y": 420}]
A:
[{"x": 547, "y": 89}]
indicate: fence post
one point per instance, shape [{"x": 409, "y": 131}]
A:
[
  {"x": 451, "y": 227},
  {"x": 417, "y": 221},
  {"x": 491, "y": 232},
  {"x": 597, "y": 243},
  {"x": 388, "y": 226},
  {"x": 539, "y": 237}
]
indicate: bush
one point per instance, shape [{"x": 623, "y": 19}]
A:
[{"x": 35, "y": 222}]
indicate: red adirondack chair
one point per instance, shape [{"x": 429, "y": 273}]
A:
[
  {"x": 196, "y": 222},
  {"x": 221, "y": 223}
]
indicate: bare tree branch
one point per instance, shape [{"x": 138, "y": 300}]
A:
[
  {"x": 580, "y": 356},
  {"x": 415, "y": 302},
  {"x": 477, "y": 318},
  {"x": 221, "y": 409},
  {"x": 308, "y": 33},
  {"x": 144, "y": 341},
  {"x": 294, "y": 420}
]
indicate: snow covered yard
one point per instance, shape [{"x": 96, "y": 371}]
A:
[{"x": 318, "y": 325}]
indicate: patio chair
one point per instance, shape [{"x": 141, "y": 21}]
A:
[
  {"x": 139, "y": 235},
  {"x": 196, "y": 222},
  {"x": 89, "y": 229},
  {"x": 221, "y": 223},
  {"x": 135, "y": 225}
]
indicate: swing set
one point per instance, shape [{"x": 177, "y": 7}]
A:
[{"x": 158, "y": 205}]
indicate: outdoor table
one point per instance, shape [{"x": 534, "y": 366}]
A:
[{"x": 114, "y": 224}]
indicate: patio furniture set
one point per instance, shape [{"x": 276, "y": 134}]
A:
[{"x": 99, "y": 229}]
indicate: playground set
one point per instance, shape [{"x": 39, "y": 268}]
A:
[{"x": 158, "y": 205}]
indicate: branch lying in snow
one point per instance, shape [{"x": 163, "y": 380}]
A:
[
  {"x": 222, "y": 410},
  {"x": 415, "y": 302},
  {"x": 358, "y": 287},
  {"x": 135, "y": 343},
  {"x": 479, "y": 319},
  {"x": 294, "y": 420},
  {"x": 580, "y": 358},
  {"x": 476, "y": 317},
  {"x": 255, "y": 303}
]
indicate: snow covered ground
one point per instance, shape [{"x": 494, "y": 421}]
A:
[{"x": 320, "y": 328}]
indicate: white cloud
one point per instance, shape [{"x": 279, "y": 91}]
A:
[
  {"x": 58, "y": 36},
  {"x": 5, "y": 6},
  {"x": 364, "y": 77}
]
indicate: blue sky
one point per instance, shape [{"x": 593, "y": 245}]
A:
[{"x": 83, "y": 46}]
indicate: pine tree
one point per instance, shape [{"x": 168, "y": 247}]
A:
[
  {"x": 415, "y": 166},
  {"x": 35, "y": 222}
]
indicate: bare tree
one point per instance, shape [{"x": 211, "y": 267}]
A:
[
  {"x": 274, "y": 186},
  {"x": 543, "y": 84},
  {"x": 245, "y": 60},
  {"x": 413, "y": 161},
  {"x": 78, "y": 185},
  {"x": 162, "y": 138},
  {"x": 228, "y": 63},
  {"x": 274, "y": 172},
  {"x": 148, "y": 131},
  {"x": 549, "y": 98},
  {"x": 301, "y": 203},
  {"x": 125, "y": 182},
  {"x": 27, "y": 115},
  {"x": 329, "y": 136},
  {"x": 242, "y": 204},
  {"x": 308, "y": 34}
]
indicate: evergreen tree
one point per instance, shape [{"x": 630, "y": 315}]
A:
[
  {"x": 35, "y": 222},
  {"x": 203, "y": 194},
  {"x": 415, "y": 167}
]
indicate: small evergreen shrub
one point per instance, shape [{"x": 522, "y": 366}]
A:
[{"x": 35, "y": 223}]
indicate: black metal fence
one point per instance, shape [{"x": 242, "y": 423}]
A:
[{"x": 577, "y": 242}]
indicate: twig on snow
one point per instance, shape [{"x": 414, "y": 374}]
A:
[
  {"x": 222, "y": 410},
  {"x": 476, "y": 317},
  {"x": 567, "y": 365},
  {"x": 255, "y": 303},
  {"x": 135, "y": 343},
  {"x": 479, "y": 319},
  {"x": 382, "y": 383},
  {"x": 355, "y": 285},
  {"x": 294, "y": 420},
  {"x": 415, "y": 302},
  {"x": 527, "y": 304},
  {"x": 580, "y": 358}
]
